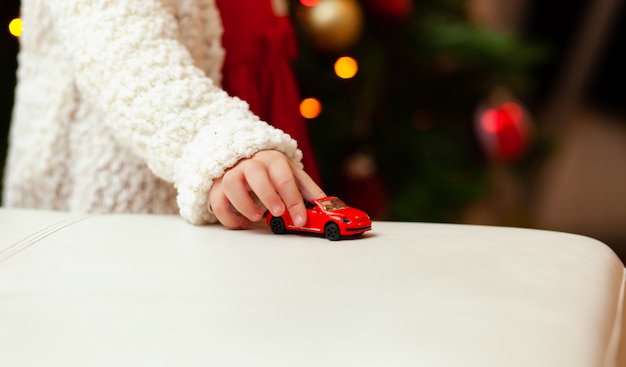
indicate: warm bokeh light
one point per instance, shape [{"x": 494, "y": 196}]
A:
[
  {"x": 15, "y": 27},
  {"x": 346, "y": 67},
  {"x": 309, "y": 3},
  {"x": 310, "y": 108}
]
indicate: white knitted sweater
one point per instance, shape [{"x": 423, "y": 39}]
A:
[{"x": 118, "y": 109}]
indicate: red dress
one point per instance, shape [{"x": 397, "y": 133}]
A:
[{"x": 259, "y": 49}]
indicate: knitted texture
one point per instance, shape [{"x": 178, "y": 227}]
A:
[{"x": 118, "y": 109}]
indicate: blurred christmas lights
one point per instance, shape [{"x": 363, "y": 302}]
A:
[
  {"x": 310, "y": 108},
  {"x": 346, "y": 67},
  {"x": 15, "y": 27}
]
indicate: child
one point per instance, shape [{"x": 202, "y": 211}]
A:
[{"x": 118, "y": 109}]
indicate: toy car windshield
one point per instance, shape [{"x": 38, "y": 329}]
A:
[{"x": 333, "y": 204}]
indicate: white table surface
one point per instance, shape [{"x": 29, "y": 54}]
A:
[{"x": 147, "y": 290}]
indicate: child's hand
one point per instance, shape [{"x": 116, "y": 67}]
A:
[{"x": 277, "y": 182}]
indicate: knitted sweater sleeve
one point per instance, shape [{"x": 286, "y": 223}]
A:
[{"x": 130, "y": 64}]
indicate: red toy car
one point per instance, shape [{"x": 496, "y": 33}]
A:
[{"x": 329, "y": 216}]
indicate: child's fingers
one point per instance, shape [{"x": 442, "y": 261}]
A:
[
  {"x": 236, "y": 189},
  {"x": 308, "y": 188},
  {"x": 284, "y": 181},
  {"x": 277, "y": 182},
  {"x": 258, "y": 180},
  {"x": 224, "y": 212}
]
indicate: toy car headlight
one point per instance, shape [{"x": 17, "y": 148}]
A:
[{"x": 345, "y": 220}]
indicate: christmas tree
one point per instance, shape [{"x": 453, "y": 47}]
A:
[{"x": 399, "y": 138}]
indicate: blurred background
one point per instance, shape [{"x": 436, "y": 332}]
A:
[{"x": 495, "y": 112}]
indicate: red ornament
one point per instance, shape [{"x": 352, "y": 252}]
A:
[
  {"x": 309, "y": 3},
  {"x": 391, "y": 9},
  {"x": 504, "y": 130}
]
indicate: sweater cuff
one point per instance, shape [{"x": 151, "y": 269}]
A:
[{"x": 218, "y": 146}]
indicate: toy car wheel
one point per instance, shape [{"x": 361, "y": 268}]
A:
[
  {"x": 277, "y": 225},
  {"x": 331, "y": 231}
]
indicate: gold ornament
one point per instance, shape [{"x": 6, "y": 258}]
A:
[{"x": 332, "y": 25}]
